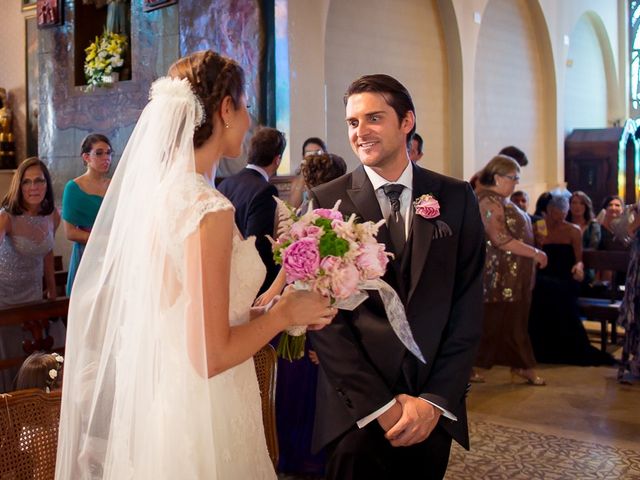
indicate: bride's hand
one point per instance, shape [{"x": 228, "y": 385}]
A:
[{"x": 304, "y": 308}]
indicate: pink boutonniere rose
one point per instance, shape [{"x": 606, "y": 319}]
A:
[{"x": 427, "y": 206}]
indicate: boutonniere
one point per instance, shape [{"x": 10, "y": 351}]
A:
[{"x": 427, "y": 206}]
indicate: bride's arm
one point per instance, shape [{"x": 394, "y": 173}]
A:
[{"x": 226, "y": 346}]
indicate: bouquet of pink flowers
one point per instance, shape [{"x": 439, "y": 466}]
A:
[{"x": 323, "y": 252}]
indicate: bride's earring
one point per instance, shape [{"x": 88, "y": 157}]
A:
[{"x": 226, "y": 125}]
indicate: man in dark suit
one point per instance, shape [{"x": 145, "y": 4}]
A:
[
  {"x": 252, "y": 194},
  {"x": 381, "y": 412}
]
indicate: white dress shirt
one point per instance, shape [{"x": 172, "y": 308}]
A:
[
  {"x": 406, "y": 201},
  {"x": 258, "y": 169}
]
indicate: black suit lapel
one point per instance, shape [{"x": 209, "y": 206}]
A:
[{"x": 421, "y": 231}]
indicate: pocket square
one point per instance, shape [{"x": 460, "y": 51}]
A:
[{"x": 441, "y": 230}]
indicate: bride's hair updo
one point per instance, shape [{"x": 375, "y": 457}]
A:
[{"x": 212, "y": 77}]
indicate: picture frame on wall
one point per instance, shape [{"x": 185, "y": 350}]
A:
[
  {"x": 32, "y": 83},
  {"x": 28, "y": 5},
  {"x": 150, "y": 5},
  {"x": 49, "y": 13}
]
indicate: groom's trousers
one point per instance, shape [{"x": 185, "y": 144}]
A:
[{"x": 364, "y": 454}]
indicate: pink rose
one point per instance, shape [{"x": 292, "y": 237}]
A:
[
  {"x": 328, "y": 213},
  {"x": 427, "y": 206},
  {"x": 372, "y": 261},
  {"x": 301, "y": 260},
  {"x": 344, "y": 281}
]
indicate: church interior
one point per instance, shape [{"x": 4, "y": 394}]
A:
[{"x": 558, "y": 79}]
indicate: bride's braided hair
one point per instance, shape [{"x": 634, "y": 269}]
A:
[{"x": 212, "y": 78}]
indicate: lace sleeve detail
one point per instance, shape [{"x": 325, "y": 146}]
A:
[{"x": 193, "y": 201}]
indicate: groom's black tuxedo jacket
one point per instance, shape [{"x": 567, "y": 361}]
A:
[
  {"x": 363, "y": 365},
  {"x": 252, "y": 197}
]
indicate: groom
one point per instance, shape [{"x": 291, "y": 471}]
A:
[{"x": 380, "y": 412}]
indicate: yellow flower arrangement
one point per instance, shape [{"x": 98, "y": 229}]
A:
[{"x": 103, "y": 57}]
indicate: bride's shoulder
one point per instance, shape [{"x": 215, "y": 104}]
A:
[{"x": 192, "y": 198}]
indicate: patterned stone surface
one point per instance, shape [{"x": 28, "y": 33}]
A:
[{"x": 501, "y": 452}]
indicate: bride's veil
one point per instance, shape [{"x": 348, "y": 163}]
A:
[{"x": 135, "y": 399}]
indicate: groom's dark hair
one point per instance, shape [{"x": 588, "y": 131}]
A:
[{"x": 395, "y": 94}]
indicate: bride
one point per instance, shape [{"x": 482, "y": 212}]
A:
[{"x": 159, "y": 378}]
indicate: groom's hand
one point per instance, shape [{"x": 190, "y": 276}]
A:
[{"x": 418, "y": 420}]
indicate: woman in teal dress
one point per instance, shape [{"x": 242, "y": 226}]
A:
[{"x": 83, "y": 196}]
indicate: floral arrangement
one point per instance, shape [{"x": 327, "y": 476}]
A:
[
  {"x": 323, "y": 252},
  {"x": 104, "y": 56}
]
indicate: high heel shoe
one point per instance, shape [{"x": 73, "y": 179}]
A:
[
  {"x": 528, "y": 375},
  {"x": 476, "y": 377}
]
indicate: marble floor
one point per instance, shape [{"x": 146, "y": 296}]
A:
[{"x": 583, "y": 424}]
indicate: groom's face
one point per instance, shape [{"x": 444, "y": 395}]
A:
[{"x": 376, "y": 134}]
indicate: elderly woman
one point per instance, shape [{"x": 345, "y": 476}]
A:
[
  {"x": 509, "y": 268},
  {"x": 556, "y": 331},
  {"x": 28, "y": 221}
]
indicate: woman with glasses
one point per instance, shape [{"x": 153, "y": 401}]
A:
[
  {"x": 508, "y": 274},
  {"x": 83, "y": 196},
  {"x": 28, "y": 221}
]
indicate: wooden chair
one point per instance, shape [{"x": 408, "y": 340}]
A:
[
  {"x": 604, "y": 310},
  {"x": 266, "y": 363},
  {"x": 34, "y": 318},
  {"x": 29, "y": 434}
]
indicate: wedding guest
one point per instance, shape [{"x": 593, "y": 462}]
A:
[
  {"x": 297, "y": 380},
  {"x": 520, "y": 199},
  {"x": 556, "y": 330},
  {"x": 41, "y": 370},
  {"x": 509, "y": 268},
  {"x": 415, "y": 148},
  {"x": 537, "y": 219},
  {"x": 252, "y": 195},
  {"x": 514, "y": 152},
  {"x": 611, "y": 236},
  {"x": 614, "y": 235},
  {"x": 629, "y": 318},
  {"x": 581, "y": 214},
  {"x": 83, "y": 196},
  {"x": 160, "y": 380},
  {"x": 311, "y": 146},
  {"x": 28, "y": 221}
]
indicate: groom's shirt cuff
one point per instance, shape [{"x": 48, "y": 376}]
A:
[
  {"x": 445, "y": 413},
  {"x": 363, "y": 422}
]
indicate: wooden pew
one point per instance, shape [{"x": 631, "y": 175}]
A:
[
  {"x": 33, "y": 317},
  {"x": 604, "y": 310}
]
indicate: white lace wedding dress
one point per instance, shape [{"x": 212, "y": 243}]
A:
[{"x": 238, "y": 432}]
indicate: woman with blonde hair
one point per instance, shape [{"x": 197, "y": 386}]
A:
[{"x": 509, "y": 269}]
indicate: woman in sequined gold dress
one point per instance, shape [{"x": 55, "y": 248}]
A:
[
  {"x": 28, "y": 221},
  {"x": 509, "y": 269}
]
